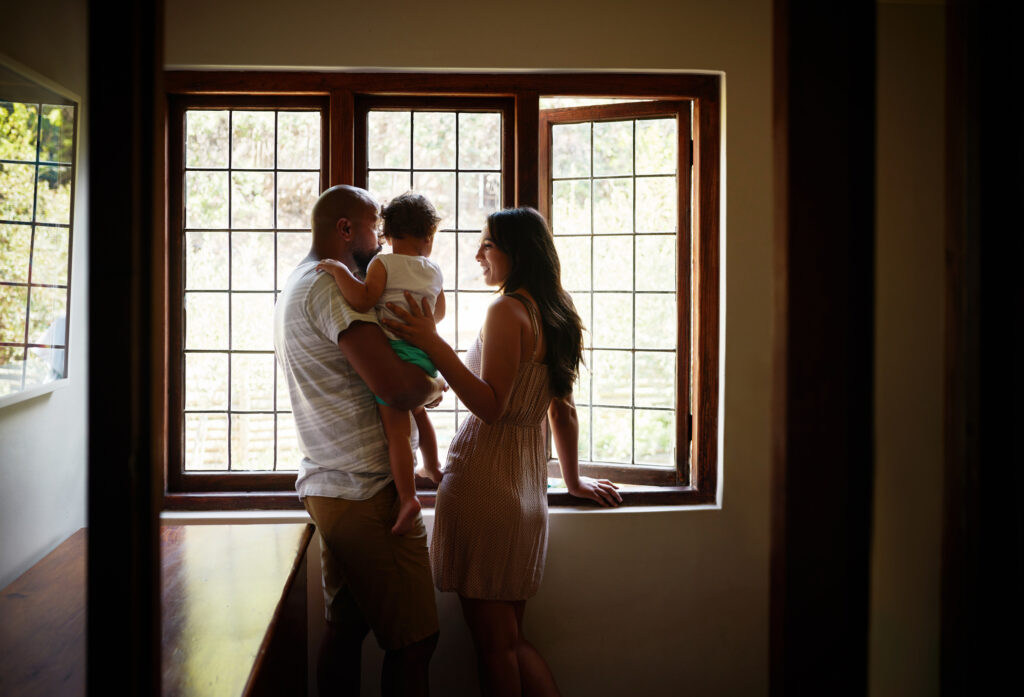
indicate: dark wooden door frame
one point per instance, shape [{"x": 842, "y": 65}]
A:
[
  {"x": 983, "y": 534},
  {"x": 823, "y": 440},
  {"x": 126, "y": 354}
]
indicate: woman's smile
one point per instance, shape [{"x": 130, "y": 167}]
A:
[{"x": 493, "y": 262}]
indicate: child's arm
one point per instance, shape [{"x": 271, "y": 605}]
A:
[
  {"x": 439, "y": 307},
  {"x": 362, "y": 296}
]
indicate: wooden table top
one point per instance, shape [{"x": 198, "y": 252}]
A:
[{"x": 222, "y": 587}]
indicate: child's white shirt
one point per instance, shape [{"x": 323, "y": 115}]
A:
[{"x": 417, "y": 275}]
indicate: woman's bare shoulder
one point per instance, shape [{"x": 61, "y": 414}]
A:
[
  {"x": 507, "y": 308},
  {"x": 505, "y": 317}
]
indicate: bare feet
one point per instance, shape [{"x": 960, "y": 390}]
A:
[{"x": 406, "y": 516}]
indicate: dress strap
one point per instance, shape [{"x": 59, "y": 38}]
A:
[{"x": 533, "y": 321}]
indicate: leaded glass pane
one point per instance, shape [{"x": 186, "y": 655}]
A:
[
  {"x": 480, "y": 141},
  {"x": 50, "y": 255},
  {"x": 252, "y": 260},
  {"x": 570, "y": 150},
  {"x": 206, "y": 442},
  {"x": 206, "y": 139},
  {"x": 53, "y": 195},
  {"x": 296, "y": 194},
  {"x": 252, "y": 140},
  {"x": 252, "y": 382},
  {"x": 298, "y": 140},
  {"x": 206, "y": 381},
  {"x": 434, "y": 140},
  {"x": 613, "y": 435},
  {"x": 252, "y": 321},
  {"x": 16, "y": 245},
  {"x": 389, "y": 145},
  {"x": 613, "y": 263}
]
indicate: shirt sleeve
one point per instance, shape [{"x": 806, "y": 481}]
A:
[
  {"x": 328, "y": 310},
  {"x": 380, "y": 259}
]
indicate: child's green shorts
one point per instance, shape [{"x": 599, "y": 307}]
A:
[{"x": 410, "y": 354}]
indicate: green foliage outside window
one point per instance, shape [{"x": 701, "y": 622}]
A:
[{"x": 36, "y": 171}]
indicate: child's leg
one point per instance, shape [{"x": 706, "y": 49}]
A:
[
  {"x": 428, "y": 444},
  {"x": 396, "y": 426}
]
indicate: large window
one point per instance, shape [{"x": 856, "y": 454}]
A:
[
  {"x": 37, "y": 173},
  {"x": 635, "y": 224}
]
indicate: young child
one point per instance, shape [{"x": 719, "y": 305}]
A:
[{"x": 410, "y": 222}]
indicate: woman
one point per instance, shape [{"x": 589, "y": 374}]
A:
[{"x": 490, "y": 524}]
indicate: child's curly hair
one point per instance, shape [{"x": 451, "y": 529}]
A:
[{"x": 409, "y": 215}]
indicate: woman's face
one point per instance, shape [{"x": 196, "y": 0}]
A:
[{"x": 493, "y": 261}]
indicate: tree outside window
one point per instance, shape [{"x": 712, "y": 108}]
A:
[{"x": 37, "y": 167}]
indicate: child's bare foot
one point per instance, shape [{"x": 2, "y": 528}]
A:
[{"x": 406, "y": 516}]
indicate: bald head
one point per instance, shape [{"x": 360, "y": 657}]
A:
[
  {"x": 339, "y": 202},
  {"x": 344, "y": 222}
]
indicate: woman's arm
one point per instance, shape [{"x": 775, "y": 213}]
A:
[
  {"x": 362, "y": 296},
  {"x": 486, "y": 396},
  {"x": 565, "y": 430}
]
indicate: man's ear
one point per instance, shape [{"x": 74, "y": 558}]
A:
[{"x": 344, "y": 228}]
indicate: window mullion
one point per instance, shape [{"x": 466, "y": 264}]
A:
[{"x": 230, "y": 297}]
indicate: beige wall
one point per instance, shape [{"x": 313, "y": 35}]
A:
[
  {"x": 42, "y": 440},
  {"x": 641, "y": 601},
  {"x": 682, "y": 595},
  {"x": 633, "y": 601}
]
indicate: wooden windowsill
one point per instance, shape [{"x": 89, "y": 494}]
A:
[{"x": 632, "y": 495}]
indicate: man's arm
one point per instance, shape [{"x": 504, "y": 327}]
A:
[{"x": 402, "y": 385}]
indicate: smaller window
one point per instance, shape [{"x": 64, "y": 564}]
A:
[
  {"x": 617, "y": 190},
  {"x": 37, "y": 174}
]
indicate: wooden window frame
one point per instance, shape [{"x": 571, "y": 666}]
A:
[
  {"x": 347, "y": 96},
  {"x": 680, "y": 475}
]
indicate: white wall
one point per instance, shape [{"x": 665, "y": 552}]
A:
[{"x": 43, "y": 440}]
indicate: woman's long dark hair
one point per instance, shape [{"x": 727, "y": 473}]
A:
[{"x": 523, "y": 235}]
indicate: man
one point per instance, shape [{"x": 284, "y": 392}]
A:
[{"x": 336, "y": 360}]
